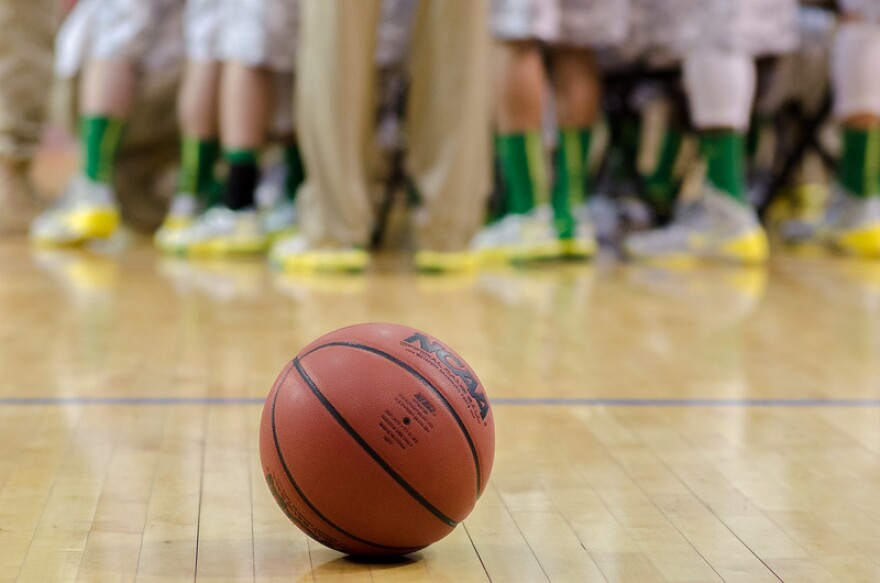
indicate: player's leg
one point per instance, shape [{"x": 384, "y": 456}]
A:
[
  {"x": 233, "y": 226},
  {"x": 198, "y": 119},
  {"x": 521, "y": 85},
  {"x": 25, "y": 76},
  {"x": 276, "y": 195},
  {"x": 526, "y": 230},
  {"x": 662, "y": 147},
  {"x": 577, "y": 88},
  {"x": 583, "y": 26},
  {"x": 89, "y": 208},
  {"x": 852, "y": 220},
  {"x": 720, "y": 222},
  {"x": 334, "y": 108},
  {"x": 255, "y": 41},
  {"x": 718, "y": 44}
]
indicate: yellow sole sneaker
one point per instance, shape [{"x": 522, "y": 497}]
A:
[
  {"x": 750, "y": 249},
  {"x": 337, "y": 260},
  {"x": 863, "y": 242}
]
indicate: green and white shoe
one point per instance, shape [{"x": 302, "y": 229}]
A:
[
  {"x": 182, "y": 213},
  {"x": 852, "y": 224},
  {"x": 221, "y": 232},
  {"x": 583, "y": 244},
  {"x": 87, "y": 210},
  {"x": 280, "y": 219},
  {"x": 298, "y": 255},
  {"x": 714, "y": 226},
  {"x": 519, "y": 238}
]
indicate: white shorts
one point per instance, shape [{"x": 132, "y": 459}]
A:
[
  {"x": 868, "y": 10},
  {"x": 593, "y": 23},
  {"x": 146, "y": 33},
  {"x": 674, "y": 28},
  {"x": 257, "y": 33}
]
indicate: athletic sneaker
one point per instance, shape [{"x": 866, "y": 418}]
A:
[
  {"x": 528, "y": 237},
  {"x": 279, "y": 219},
  {"x": 297, "y": 254},
  {"x": 583, "y": 245},
  {"x": 220, "y": 231},
  {"x": 796, "y": 216},
  {"x": 278, "y": 212},
  {"x": 714, "y": 226},
  {"x": 852, "y": 224},
  {"x": 87, "y": 210},
  {"x": 182, "y": 213}
]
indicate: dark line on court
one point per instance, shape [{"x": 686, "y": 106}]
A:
[
  {"x": 698, "y": 402},
  {"x": 296, "y": 486},
  {"x": 503, "y": 401},
  {"x": 369, "y": 450},
  {"x": 427, "y": 384}
]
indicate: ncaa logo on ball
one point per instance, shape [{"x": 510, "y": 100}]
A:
[{"x": 451, "y": 363}]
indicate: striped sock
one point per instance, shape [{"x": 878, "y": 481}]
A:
[
  {"x": 523, "y": 170},
  {"x": 100, "y": 138},
  {"x": 859, "y": 168}
]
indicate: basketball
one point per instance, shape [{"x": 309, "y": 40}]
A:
[{"x": 377, "y": 439}]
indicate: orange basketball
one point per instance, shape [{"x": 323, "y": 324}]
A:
[{"x": 377, "y": 439}]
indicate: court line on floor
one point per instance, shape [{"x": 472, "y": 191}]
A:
[{"x": 500, "y": 401}]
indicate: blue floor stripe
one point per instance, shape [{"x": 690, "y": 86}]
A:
[{"x": 502, "y": 401}]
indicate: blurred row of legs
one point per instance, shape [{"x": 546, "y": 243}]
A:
[{"x": 225, "y": 110}]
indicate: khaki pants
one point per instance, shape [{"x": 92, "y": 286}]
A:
[
  {"x": 27, "y": 28},
  {"x": 448, "y": 120}
]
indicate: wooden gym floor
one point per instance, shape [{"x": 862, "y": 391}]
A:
[{"x": 714, "y": 424}]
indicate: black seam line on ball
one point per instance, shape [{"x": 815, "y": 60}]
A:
[
  {"x": 366, "y": 447},
  {"x": 302, "y": 494},
  {"x": 427, "y": 384}
]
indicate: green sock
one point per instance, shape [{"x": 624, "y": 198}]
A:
[
  {"x": 570, "y": 179},
  {"x": 198, "y": 160},
  {"x": 296, "y": 172},
  {"x": 724, "y": 152},
  {"x": 662, "y": 184},
  {"x": 523, "y": 170},
  {"x": 100, "y": 138},
  {"x": 859, "y": 168}
]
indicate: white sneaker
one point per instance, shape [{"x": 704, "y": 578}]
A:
[
  {"x": 297, "y": 254},
  {"x": 87, "y": 210},
  {"x": 279, "y": 219},
  {"x": 713, "y": 226},
  {"x": 852, "y": 224},
  {"x": 221, "y": 231},
  {"x": 583, "y": 245},
  {"x": 182, "y": 213},
  {"x": 528, "y": 237}
]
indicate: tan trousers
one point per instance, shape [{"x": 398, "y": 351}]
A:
[
  {"x": 27, "y": 28},
  {"x": 448, "y": 121}
]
